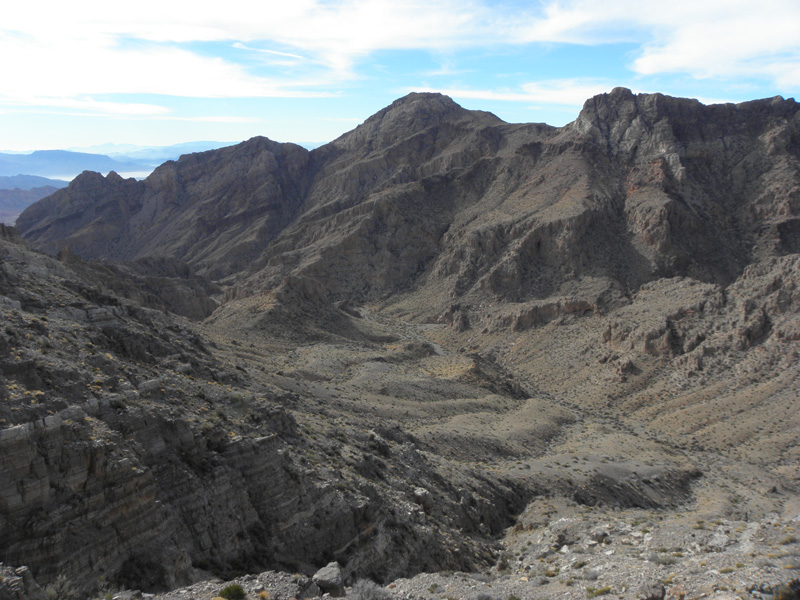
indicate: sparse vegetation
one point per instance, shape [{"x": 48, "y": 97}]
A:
[
  {"x": 595, "y": 592},
  {"x": 663, "y": 559},
  {"x": 233, "y": 591},
  {"x": 791, "y": 539},
  {"x": 365, "y": 589},
  {"x": 61, "y": 589}
]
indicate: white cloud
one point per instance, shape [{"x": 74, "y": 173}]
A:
[
  {"x": 709, "y": 38},
  {"x": 568, "y": 92},
  {"x": 84, "y": 68},
  {"x": 241, "y": 46},
  {"x": 87, "y": 105},
  {"x": 733, "y": 43},
  {"x": 571, "y": 92},
  {"x": 218, "y": 119},
  {"x": 334, "y": 33},
  {"x": 787, "y": 75},
  {"x": 90, "y": 48}
]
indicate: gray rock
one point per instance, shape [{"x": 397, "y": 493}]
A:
[
  {"x": 600, "y": 535},
  {"x": 19, "y": 584},
  {"x": 424, "y": 498},
  {"x": 592, "y": 574},
  {"x": 311, "y": 590},
  {"x": 330, "y": 579}
]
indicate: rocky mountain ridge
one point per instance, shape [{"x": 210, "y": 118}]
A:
[
  {"x": 413, "y": 336},
  {"x": 445, "y": 195}
]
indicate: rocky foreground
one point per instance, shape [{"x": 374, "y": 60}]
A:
[{"x": 628, "y": 554}]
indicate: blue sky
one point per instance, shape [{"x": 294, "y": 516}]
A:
[{"x": 77, "y": 74}]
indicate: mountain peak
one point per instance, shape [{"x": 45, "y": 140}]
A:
[
  {"x": 407, "y": 116},
  {"x": 623, "y": 114},
  {"x": 622, "y": 104},
  {"x": 420, "y": 109},
  {"x": 425, "y": 101}
]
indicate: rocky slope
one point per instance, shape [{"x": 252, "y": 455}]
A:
[
  {"x": 14, "y": 201},
  {"x": 408, "y": 338},
  {"x": 128, "y": 433}
]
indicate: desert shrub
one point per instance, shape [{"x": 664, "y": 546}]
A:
[
  {"x": 233, "y": 592},
  {"x": 61, "y": 589},
  {"x": 662, "y": 559},
  {"x": 593, "y": 593},
  {"x": 791, "y": 539},
  {"x": 364, "y": 589}
]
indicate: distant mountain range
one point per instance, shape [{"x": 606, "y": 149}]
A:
[
  {"x": 26, "y": 178},
  {"x": 28, "y": 182},
  {"x": 152, "y": 155},
  {"x": 18, "y": 192},
  {"x": 64, "y": 164},
  {"x": 13, "y": 202},
  {"x": 122, "y": 158}
]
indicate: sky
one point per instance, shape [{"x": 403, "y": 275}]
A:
[{"x": 83, "y": 73}]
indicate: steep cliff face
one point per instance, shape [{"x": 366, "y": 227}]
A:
[
  {"x": 704, "y": 187},
  {"x": 90, "y": 216}
]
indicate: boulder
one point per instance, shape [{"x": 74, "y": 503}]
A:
[
  {"x": 330, "y": 579},
  {"x": 424, "y": 498}
]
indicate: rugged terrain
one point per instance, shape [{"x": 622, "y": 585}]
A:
[
  {"x": 538, "y": 361},
  {"x": 14, "y": 201}
]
